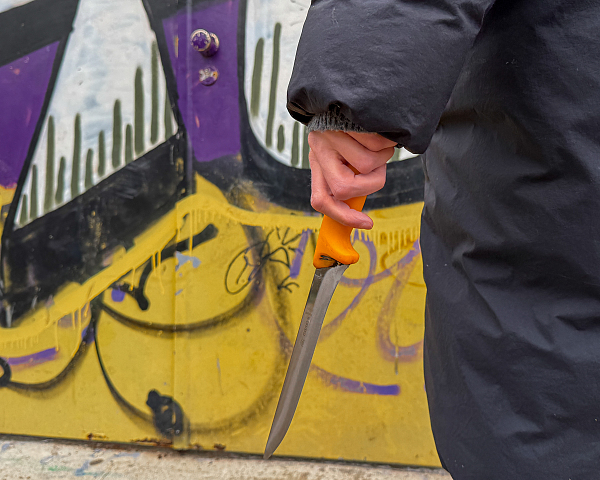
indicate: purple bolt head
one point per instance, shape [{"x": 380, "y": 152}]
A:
[
  {"x": 208, "y": 76},
  {"x": 201, "y": 40},
  {"x": 206, "y": 43},
  {"x": 213, "y": 47}
]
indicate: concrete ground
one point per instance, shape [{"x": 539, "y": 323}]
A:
[{"x": 37, "y": 459}]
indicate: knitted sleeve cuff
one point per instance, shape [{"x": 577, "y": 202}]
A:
[{"x": 333, "y": 120}]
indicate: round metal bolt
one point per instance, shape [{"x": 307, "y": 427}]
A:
[
  {"x": 205, "y": 42},
  {"x": 208, "y": 76}
]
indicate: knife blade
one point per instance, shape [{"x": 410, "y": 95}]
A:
[{"x": 333, "y": 254}]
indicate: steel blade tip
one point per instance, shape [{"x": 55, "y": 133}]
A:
[
  {"x": 269, "y": 449},
  {"x": 275, "y": 439}
]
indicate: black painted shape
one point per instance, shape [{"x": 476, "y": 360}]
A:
[
  {"x": 74, "y": 242},
  {"x": 162, "y": 9},
  {"x": 4, "y": 213},
  {"x": 138, "y": 293},
  {"x": 167, "y": 414},
  {"x": 10, "y": 219},
  {"x": 224, "y": 172},
  {"x": 121, "y": 400},
  {"x": 5, "y": 378},
  {"x": 157, "y": 10},
  {"x": 34, "y": 25}
]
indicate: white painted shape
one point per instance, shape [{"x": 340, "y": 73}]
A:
[
  {"x": 110, "y": 39},
  {"x": 405, "y": 154},
  {"x": 8, "y": 4},
  {"x": 261, "y": 18}
]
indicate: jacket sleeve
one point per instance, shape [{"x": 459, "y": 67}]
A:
[{"x": 385, "y": 66}]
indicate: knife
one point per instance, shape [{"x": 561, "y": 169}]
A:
[{"x": 333, "y": 254}]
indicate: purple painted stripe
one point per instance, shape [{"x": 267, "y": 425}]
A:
[
  {"x": 403, "y": 262},
  {"x": 297, "y": 261},
  {"x": 23, "y": 85},
  {"x": 211, "y": 114},
  {"x": 84, "y": 332},
  {"x": 41, "y": 356},
  {"x": 389, "y": 313},
  {"x": 117, "y": 295},
  {"x": 34, "y": 358},
  {"x": 355, "y": 386}
]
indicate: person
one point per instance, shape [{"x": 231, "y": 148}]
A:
[{"x": 503, "y": 100}]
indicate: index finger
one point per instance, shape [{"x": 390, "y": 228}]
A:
[
  {"x": 372, "y": 141},
  {"x": 356, "y": 154}
]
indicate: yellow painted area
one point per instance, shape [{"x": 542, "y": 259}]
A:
[
  {"x": 6, "y": 196},
  {"x": 217, "y": 332}
]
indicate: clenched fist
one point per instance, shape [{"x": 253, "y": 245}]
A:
[{"x": 331, "y": 153}]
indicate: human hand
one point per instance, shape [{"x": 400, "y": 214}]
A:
[{"x": 332, "y": 179}]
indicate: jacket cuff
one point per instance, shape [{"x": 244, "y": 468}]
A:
[{"x": 333, "y": 120}]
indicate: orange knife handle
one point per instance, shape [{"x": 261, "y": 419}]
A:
[{"x": 334, "y": 239}]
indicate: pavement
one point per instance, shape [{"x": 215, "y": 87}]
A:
[{"x": 40, "y": 459}]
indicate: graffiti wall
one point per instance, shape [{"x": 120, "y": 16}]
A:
[{"x": 157, "y": 240}]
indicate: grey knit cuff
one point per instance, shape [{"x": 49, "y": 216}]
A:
[{"x": 333, "y": 120}]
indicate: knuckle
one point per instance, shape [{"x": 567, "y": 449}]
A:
[
  {"x": 381, "y": 158},
  {"x": 317, "y": 202},
  {"x": 370, "y": 163},
  {"x": 339, "y": 189},
  {"x": 361, "y": 164}
]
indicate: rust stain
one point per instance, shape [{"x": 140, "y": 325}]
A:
[{"x": 155, "y": 442}]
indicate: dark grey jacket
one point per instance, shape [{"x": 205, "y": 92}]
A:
[{"x": 504, "y": 97}]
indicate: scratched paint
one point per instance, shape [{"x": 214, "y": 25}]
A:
[
  {"x": 181, "y": 333},
  {"x": 182, "y": 259}
]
